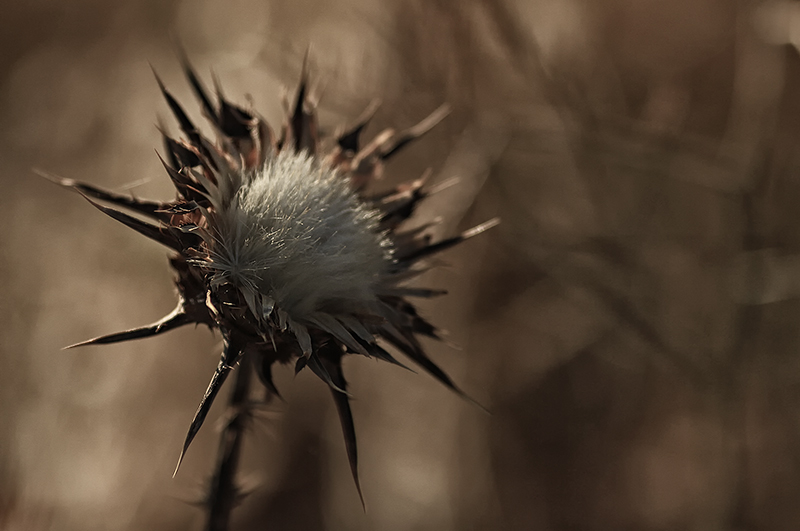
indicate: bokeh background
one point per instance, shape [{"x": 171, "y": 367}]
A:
[{"x": 633, "y": 325}]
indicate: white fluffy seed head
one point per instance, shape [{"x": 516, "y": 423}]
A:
[{"x": 297, "y": 234}]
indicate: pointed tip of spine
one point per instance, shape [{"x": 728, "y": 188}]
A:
[
  {"x": 443, "y": 110},
  {"x": 153, "y": 232},
  {"x": 333, "y": 368},
  {"x": 319, "y": 369},
  {"x": 173, "y": 320},
  {"x": 439, "y": 114},
  {"x": 360, "y": 494},
  {"x": 180, "y": 51},
  {"x": 447, "y": 243},
  {"x": 180, "y": 460},
  {"x": 415, "y": 132},
  {"x": 53, "y": 178},
  {"x": 228, "y": 360},
  {"x": 306, "y": 56},
  {"x": 447, "y": 183},
  {"x": 92, "y": 341},
  {"x": 483, "y": 227},
  {"x": 475, "y": 403},
  {"x": 161, "y": 85},
  {"x": 382, "y": 354}
]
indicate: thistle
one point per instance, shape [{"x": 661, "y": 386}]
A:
[{"x": 284, "y": 249}]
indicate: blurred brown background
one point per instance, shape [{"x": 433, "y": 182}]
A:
[{"x": 632, "y": 325}]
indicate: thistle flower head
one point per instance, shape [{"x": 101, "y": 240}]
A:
[
  {"x": 295, "y": 237},
  {"x": 282, "y": 249}
]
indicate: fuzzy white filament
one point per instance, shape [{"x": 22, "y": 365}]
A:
[{"x": 297, "y": 234}]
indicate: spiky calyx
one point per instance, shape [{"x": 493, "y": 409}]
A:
[{"x": 281, "y": 249}]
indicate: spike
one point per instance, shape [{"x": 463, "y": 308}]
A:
[
  {"x": 174, "y": 320},
  {"x": 371, "y": 152},
  {"x": 146, "y": 208},
  {"x": 383, "y": 354},
  {"x": 302, "y": 124},
  {"x": 180, "y": 155},
  {"x": 400, "y": 205},
  {"x": 483, "y": 227},
  {"x": 185, "y": 186},
  {"x": 197, "y": 87},
  {"x": 321, "y": 371},
  {"x": 229, "y": 358},
  {"x": 334, "y": 369},
  {"x": 163, "y": 235},
  {"x": 358, "y": 327},
  {"x": 234, "y": 121},
  {"x": 302, "y": 361},
  {"x": 449, "y": 242},
  {"x": 413, "y": 350},
  {"x": 298, "y": 116},
  {"x": 349, "y": 140},
  {"x": 264, "y": 372},
  {"x": 401, "y": 140},
  {"x": 184, "y": 122},
  {"x": 335, "y": 328},
  {"x": 303, "y": 337},
  {"x": 418, "y": 324}
]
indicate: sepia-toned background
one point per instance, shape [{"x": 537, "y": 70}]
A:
[{"x": 633, "y": 325}]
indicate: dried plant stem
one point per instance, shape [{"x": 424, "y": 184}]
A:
[{"x": 223, "y": 492}]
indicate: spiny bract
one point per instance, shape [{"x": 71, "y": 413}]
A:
[{"x": 282, "y": 249}]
